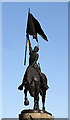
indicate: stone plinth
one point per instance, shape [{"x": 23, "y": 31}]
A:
[{"x": 35, "y": 115}]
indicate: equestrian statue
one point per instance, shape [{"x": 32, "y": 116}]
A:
[{"x": 34, "y": 80}]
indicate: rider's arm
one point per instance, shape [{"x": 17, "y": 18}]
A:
[{"x": 30, "y": 48}]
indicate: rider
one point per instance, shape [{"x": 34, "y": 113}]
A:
[
  {"x": 33, "y": 62},
  {"x": 34, "y": 57}
]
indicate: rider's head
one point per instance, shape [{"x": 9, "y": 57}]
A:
[{"x": 36, "y": 48}]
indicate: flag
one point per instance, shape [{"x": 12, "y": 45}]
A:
[{"x": 33, "y": 27}]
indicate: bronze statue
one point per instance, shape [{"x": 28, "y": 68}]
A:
[{"x": 34, "y": 80}]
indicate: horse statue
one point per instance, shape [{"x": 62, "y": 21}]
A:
[{"x": 35, "y": 84}]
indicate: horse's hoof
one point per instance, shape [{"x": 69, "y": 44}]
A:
[
  {"x": 20, "y": 87},
  {"x": 26, "y": 102},
  {"x": 43, "y": 109}
]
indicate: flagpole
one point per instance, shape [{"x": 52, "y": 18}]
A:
[{"x": 25, "y": 50}]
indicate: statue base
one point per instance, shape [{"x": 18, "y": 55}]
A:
[{"x": 35, "y": 114}]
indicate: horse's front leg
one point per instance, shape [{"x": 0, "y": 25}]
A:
[
  {"x": 36, "y": 102},
  {"x": 26, "y": 102}
]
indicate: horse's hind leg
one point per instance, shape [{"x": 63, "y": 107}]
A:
[
  {"x": 43, "y": 102},
  {"x": 26, "y": 102}
]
